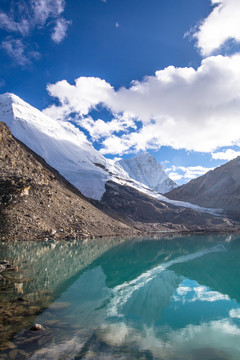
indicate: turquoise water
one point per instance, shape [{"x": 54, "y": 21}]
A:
[{"x": 169, "y": 298}]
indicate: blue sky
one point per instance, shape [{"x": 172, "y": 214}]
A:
[{"x": 127, "y": 97}]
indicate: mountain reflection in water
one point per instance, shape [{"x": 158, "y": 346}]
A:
[{"x": 174, "y": 297}]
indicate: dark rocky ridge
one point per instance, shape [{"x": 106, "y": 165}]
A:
[
  {"x": 36, "y": 202},
  {"x": 219, "y": 188},
  {"x": 149, "y": 214}
]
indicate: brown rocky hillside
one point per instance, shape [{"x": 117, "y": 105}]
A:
[
  {"x": 37, "y": 203},
  {"x": 218, "y": 188}
]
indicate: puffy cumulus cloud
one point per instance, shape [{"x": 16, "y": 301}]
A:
[
  {"x": 26, "y": 16},
  {"x": 146, "y": 138},
  {"x": 234, "y": 313},
  {"x": 80, "y": 98},
  {"x": 114, "y": 145},
  {"x": 228, "y": 154},
  {"x": 183, "y": 108},
  {"x": 100, "y": 129},
  {"x": 221, "y": 25},
  {"x": 175, "y": 176},
  {"x": 186, "y": 172},
  {"x": 197, "y": 293}
]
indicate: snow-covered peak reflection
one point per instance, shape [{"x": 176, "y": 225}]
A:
[{"x": 156, "y": 285}]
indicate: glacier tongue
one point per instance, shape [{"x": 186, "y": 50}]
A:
[{"x": 147, "y": 170}]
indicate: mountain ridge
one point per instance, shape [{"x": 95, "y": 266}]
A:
[{"x": 218, "y": 188}]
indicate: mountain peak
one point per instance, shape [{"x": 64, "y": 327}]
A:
[
  {"x": 10, "y": 98},
  {"x": 146, "y": 169},
  {"x": 145, "y": 155}
]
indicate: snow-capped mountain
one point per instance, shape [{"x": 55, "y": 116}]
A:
[
  {"x": 65, "y": 147},
  {"x": 61, "y": 144},
  {"x": 147, "y": 170}
]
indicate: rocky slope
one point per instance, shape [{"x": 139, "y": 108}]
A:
[
  {"x": 37, "y": 203},
  {"x": 147, "y": 170},
  {"x": 219, "y": 188},
  {"x": 149, "y": 214}
]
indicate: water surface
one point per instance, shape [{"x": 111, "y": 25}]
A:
[{"x": 168, "y": 298}]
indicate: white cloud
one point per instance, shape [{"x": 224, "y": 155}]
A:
[
  {"x": 175, "y": 176},
  {"x": 44, "y": 9},
  {"x": 198, "y": 293},
  {"x": 8, "y": 23},
  {"x": 99, "y": 128},
  {"x": 228, "y": 154},
  {"x": 114, "y": 145},
  {"x": 186, "y": 172},
  {"x": 60, "y": 30},
  {"x": 18, "y": 50},
  {"x": 80, "y": 98},
  {"x": 26, "y": 16},
  {"x": 234, "y": 313},
  {"x": 31, "y": 14},
  {"x": 221, "y": 25},
  {"x": 183, "y": 108}
]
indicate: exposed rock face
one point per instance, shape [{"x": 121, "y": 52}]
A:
[
  {"x": 147, "y": 170},
  {"x": 36, "y": 202},
  {"x": 147, "y": 213},
  {"x": 219, "y": 188}
]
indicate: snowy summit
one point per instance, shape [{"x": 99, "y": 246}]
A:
[{"x": 147, "y": 170}]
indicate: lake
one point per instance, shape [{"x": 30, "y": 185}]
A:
[{"x": 166, "y": 297}]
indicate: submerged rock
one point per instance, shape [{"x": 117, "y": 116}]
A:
[
  {"x": 37, "y": 327},
  {"x": 5, "y": 265},
  {"x": 4, "y": 262}
]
